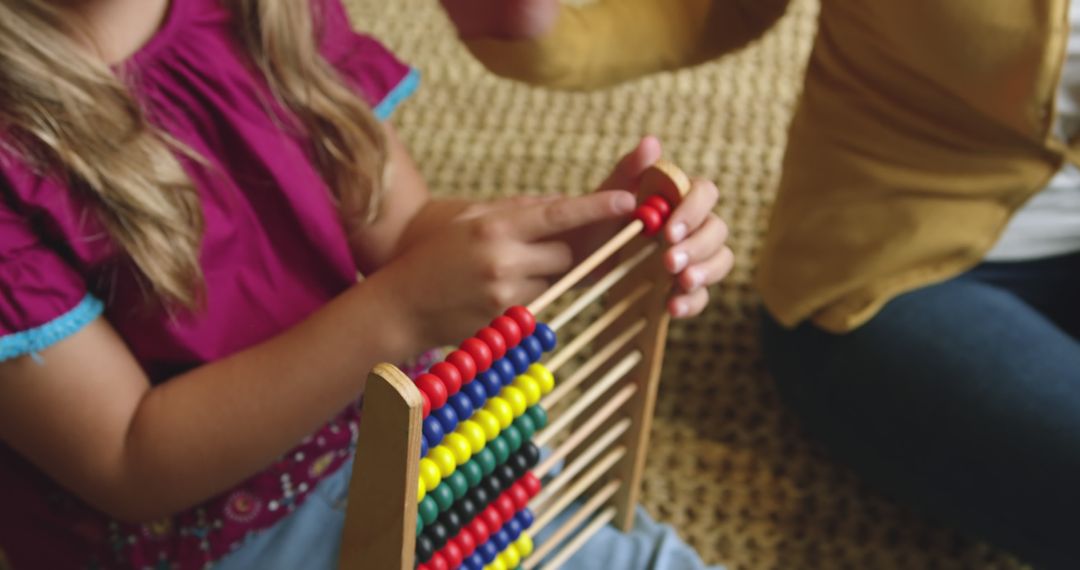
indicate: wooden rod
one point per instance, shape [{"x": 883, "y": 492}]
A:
[
  {"x": 602, "y": 385},
  {"x": 551, "y": 512},
  {"x": 552, "y": 488},
  {"x": 590, "y": 366},
  {"x": 581, "y": 538},
  {"x": 586, "y": 429},
  {"x": 586, "y": 267},
  {"x": 596, "y": 327},
  {"x": 601, "y": 286},
  {"x": 591, "y": 506}
]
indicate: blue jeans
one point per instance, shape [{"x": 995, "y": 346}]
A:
[
  {"x": 961, "y": 399},
  {"x": 310, "y": 539}
]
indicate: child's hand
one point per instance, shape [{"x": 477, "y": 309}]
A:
[
  {"x": 456, "y": 280},
  {"x": 698, "y": 255},
  {"x": 502, "y": 19}
]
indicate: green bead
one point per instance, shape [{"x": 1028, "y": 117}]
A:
[
  {"x": 525, "y": 425},
  {"x": 419, "y": 526},
  {"x": 444, "y": 497},
  {"x": 486, "y": 458},
  {"x": 458, "y": 484},
  {"x": 513, "y": 438},
  {"x": 429, "y": 510},
  {"x": 500, "y": 447},
  {"x": 539, "y": 416},
  {"x": 472, "y": 470}
]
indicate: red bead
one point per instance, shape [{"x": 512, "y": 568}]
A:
[
  {"x": 450, "y": 376},
  {"x": 524, "y": 319},
  {"x": 519, "y": 495},
  {"x": 452, "y": 554},
  {"x": 505, "y": 505},
  {"x": 530, "y": 483},
  {"x": 494, "y": 341},
  {"x": 423, "y": 567},
  {"x": 426, "y": 403},
  {"x": 479, "y": 352},
  {"x": 437, "y": 562},
  {"x": 650, "y": 217},
  {"x": 464, "y": 363},
  {"x": 509, "y": 330},
  {"x": 491, "y": 517},
  {"x": 464, "y": 541},
  {"x": 660, "y": 205},
  {"x": 433, "y": 386},
  {"x": 479, "y": 530}
]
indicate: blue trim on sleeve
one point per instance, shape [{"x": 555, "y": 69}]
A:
[
  {"x": 35, "y": 340},
  {"x": 406, "y": 87}
]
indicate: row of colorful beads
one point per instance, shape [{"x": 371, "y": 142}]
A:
[
  {"x": 468, "y": 437},
  {"x": 476, "y": 544},
  {"x": 475, "y": 482}
]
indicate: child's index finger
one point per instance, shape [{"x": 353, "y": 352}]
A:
[{"x": 565, "y": 214}]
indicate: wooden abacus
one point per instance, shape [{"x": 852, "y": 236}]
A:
[{"x": 479, "y": 476}]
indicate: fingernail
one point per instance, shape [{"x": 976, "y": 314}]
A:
[
  {"x": 680, "y": 308},
  {"x": 624, "y": 202},
  {"x": 696, "y": 276},
  {"x": 679, "y": 260},
  {"x": 677, "y": 232}
]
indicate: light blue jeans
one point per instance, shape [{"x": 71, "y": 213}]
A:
[{"x": 310, "y": 538}]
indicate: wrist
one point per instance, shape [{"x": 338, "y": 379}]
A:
[{"x": 393, "y": 322}]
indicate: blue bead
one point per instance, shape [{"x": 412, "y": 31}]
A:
[
  {"x": 433, "y": 431},
  {"x": 525, "y": 517},
  {"x": 477, "y": 393},
  {"x": 505, "y": 369},
  {"x": 475, "y": 561},
  {"x": 491, "y": 382},
  {"x": 533, "y": 347},
  {"x": 423, "y": 446},
  {"x": 501, "y": 539},
  {"x": 488, "y": 551},
  {"x": 462, "y": 405},
  {"x": 546, "y": 336},
  {"x": 519, "y": 357},
  {"x": 447, "y": 417},
  {"x": 513, "y": 528}
]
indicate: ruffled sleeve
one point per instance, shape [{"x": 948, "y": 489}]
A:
[
  {"x": 380, "y": 77},
  {"x": 43, "y": 300}
]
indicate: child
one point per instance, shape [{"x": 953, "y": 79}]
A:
[{"x": 189, "y": 192}]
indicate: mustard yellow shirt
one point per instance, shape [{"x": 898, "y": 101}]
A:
[{"x": 923, "y": 125}]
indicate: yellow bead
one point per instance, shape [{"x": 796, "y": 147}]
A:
[
  {"x": 510, "y": 556},
  {"x": 474, "y": 433},
  {"x": 542, "y": 375},
  {"x": 516, "y": 399},
  {"x": 430, "y": 473},
  {"x": 502, "y": 411},
  {"x": 459, "y": 446},
  {"x": 496, "y": 564},
  {"x": 421, "y": 490},
  {"x": 524, "y": 545},
  {"x": 445, "y": 459},
  {"x": 530, "y": 387},
  {"x": 489, "y": 422}
]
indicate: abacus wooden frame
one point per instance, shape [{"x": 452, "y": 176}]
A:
[{"x": 380, "y": 525}]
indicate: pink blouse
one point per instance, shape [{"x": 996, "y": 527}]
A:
[{"x": 273, "y": 252}]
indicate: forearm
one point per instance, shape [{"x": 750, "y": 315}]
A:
[
  {"x": 610, "y": 41},
  {"x": 203, "y": 432}
]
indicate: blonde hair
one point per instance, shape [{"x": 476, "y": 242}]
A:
[{"x": 68, "y": 113}]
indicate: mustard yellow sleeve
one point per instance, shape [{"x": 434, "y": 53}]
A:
[{"x": 609, "y": 41}]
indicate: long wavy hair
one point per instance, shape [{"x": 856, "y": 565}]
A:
[{"x": 70, "y": 114}]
